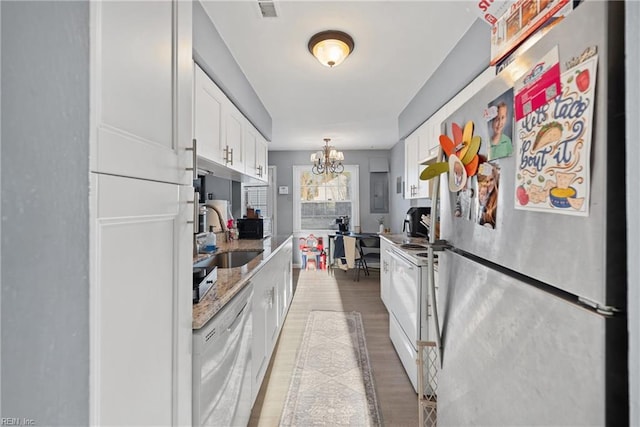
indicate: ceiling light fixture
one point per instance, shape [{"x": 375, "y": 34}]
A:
[
  {"x": 327, "y": 160},
  {"x": 331, "y": 47}
]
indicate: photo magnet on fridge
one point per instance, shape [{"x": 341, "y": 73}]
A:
[{"x": 499, "y": 115}]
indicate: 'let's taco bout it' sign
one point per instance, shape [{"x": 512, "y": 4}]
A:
[{"x": 553, "y": 146}]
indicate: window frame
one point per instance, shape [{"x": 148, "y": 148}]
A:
[{"x": 297, "y": 204}]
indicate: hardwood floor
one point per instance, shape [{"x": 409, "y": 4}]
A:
[{"x": 316, "y": 290}]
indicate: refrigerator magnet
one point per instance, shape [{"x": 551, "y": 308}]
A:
[{"x": 457, "y": 174}]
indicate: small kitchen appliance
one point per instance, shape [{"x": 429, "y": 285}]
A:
[
  {"x": 343, "y": 224},
  {"x": 412, "y": 224},
  {"x": 203, "y": 280},
  {"x": 250, "y": 228}
]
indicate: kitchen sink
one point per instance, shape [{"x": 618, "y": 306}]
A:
[{"x": 230, "y": 259}]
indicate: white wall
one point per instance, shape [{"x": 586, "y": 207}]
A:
[{"x": 632, "y": 44}]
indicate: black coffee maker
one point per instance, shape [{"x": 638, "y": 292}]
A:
[
  {"x": 413, "y": 225},
  {"x": 343, "y": 224}
]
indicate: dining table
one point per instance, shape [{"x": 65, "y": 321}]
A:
[{"x": 361, "y": 237}]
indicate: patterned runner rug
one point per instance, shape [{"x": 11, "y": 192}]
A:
[{"x": 332, "y": 382}]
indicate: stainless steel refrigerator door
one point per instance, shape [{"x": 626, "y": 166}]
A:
[
  {"x": 515, "y": 355},
  {"x": 571, "y": 253}
]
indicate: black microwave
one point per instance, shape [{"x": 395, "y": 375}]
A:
[{"x": 250, "y": 228}]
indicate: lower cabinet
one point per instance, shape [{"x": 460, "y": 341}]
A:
[
  {"x": 141, "y": 302},
  {"x": 385, "y": 273},
  {"x": 272, "y": 293}
]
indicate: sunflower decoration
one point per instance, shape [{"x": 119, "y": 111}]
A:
[{"x": 462, "y": 154}]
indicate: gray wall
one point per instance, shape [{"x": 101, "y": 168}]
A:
[
  {"x": 632, "y": 45},
  {"x": 212, "y": 54},
  {"x": 285, "y": 160},
  {"x": 399, "y": 205},
  {"x": 45, "y": 211},
  {"x": 225, "y": 189},
  {"x": 469, "y": 58}
]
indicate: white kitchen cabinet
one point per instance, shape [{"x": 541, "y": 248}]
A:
[
  {"x": 141, "y": 212},
  {"x": 141, "y": 307},
  {"x": 385, "y": 274},
  {"x": 227, "y": 143},
  {"x": 262, "y": 156},
  {"x": 411, "y": 173},
  {"x": 250, "y": 140},
  {"x": 285, "y": 283},
  {"x": 234, "y": 137},
  {"x": 265, "y": 321},
  {"x": 208, "y": 130},
  {"x": 140, "y": 75},
  {"x": 272, "y": 292},
  {"x": 255, "y": 149}
]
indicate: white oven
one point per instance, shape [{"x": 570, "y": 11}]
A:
[{"x": 409, "y": 304}]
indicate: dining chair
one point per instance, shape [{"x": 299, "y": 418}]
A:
[{"x": 352, "y": 257}]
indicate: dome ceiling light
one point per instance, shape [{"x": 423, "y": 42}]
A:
[{"x": 331, "y": 47}]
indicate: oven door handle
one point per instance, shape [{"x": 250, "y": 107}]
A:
[{"x": 401, "y": 259}]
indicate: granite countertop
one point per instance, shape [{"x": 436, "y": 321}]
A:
[{"x": 231, "y": 280}]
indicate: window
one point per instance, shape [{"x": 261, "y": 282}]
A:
[{"x": 320, "y": 199}]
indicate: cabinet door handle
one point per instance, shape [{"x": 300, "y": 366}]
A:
[
  {"x": 194, "y": 202},
  {"x": 232, "y": 157},
  {"x": 238, "y": 316},
  {"x": 194, "y": 159},
  {"x": 227, "y": 154},
  {"x": 270, "y": 295}
]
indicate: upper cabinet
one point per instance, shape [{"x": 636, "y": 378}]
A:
[
  {"x": 411, "y": 173},
  {"x": 137, "y": 84},
  {"x": 208, "y": 104},
  {"x": 227, "y": 143},
  {"x": 234, "y": 147},
  {"x": 261, "y": 158},
  {"x": 250, "y": 141},
  {"x": 423, "y": 145}
]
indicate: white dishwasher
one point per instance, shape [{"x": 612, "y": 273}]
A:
[{"x": 222, "y": 365}]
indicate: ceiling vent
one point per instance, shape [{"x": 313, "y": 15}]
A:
[{"x": 267, "y": 9}]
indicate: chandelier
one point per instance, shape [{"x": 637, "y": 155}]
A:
[{"x": 327, "y": 160}]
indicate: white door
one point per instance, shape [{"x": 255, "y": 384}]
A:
[
  {"x": 141, "y": 73},
  {"x": 141, "y": 308}
]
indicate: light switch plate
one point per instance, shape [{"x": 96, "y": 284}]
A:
[{"x": 283, "y": 189}]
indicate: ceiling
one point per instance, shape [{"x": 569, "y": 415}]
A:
[{"x": 398, "y": 45}]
